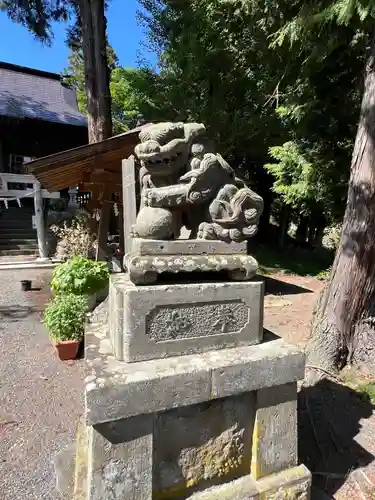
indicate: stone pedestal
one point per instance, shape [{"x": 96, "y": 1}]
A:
[
  {"x": 185, "y": 399},
  {"x": 157, "y": 321},
  {"x": 216, "y": 424},
  {"x": 149, "y": 259}
]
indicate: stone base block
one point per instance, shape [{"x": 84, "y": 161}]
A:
[
  {"x": 289, "y": 484},
  {"x": 117, "y": 477},
  {"x": 144, "y": 270},
  {"x": 152, "y": 322},
  {"x": 116, "y": 390},
  {"x": 221, "y": 424},
  {"x": 187, "y": 247},
  {"x": 151, "y": 258}
]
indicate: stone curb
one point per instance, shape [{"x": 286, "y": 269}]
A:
[
  {"x": 289, "y": 484},
  {"x": 8, "y": 266}
]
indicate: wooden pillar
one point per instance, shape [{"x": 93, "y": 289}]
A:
[
  {"x": 105, "y": 213},
  {"x": 128, "y": 200},
  {"x": 39, "y": 221}
]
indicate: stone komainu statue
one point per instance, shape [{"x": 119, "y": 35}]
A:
[{"x": 185, "y": 183}]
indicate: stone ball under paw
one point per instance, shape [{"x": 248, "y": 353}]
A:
[{"x": 154, "y": 224}]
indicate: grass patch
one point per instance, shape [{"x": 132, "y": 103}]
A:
[
  {"x": 294, "y": 261},
  {"x": 324, "y": 275},
  {"x": 367, "y": 391}
]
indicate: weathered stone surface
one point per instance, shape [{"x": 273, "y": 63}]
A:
[
  {"x": 129, "y": 201},
  {"x": 145, "y": 269},
  {"x": 210, "y": 443},
  {"x": 81, "y": 462},
  {"x": 116, "y": 313},
  {"x": 240, "y": 375},
  {"x": 183, "y": 180},
  {"x": 187, "y": 247},
  {"x": 290, "y": 484},
  {"x": 168, "y": 320},
  {"x": 155, "y": 223},
  {"x": 116, "y": 390},
  {"x": 275, "y": 430},
  {"x": 120, "y": 460},
  {"x": 197, "y": 320},
  {"x": 64, "y": 463}
]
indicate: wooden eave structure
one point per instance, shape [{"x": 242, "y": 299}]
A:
[{"x": 96, "y": 167}]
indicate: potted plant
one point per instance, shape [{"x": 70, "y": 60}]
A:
[
  {"x": 80, "y": 276},
  {"x": 65, "y": 318}
]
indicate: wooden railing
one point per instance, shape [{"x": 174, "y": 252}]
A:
[{"x": 21, "y": 185}]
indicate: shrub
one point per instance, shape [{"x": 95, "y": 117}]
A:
[
  {"x": 65, "y": 317},
  {"x": 331, "y": 238},
  {"x": 74, "y": 238},
  {"x": 324, "y": 275},
  {"x": 80, "y": 276}
]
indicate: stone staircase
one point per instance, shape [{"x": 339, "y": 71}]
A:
[{"x": 17, "y": 236}]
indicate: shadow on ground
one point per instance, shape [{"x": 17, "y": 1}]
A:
[
  {"x": 329, "y": 420},
  {"x": 291, "y": 260},
  {"x": 16, "y": 312},
  {"x": 274, "y": 286}
]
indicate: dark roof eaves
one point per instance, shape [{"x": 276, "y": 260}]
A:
[
  {"x": 29, "y": 71},
  {"x": 33, "y": 165}
]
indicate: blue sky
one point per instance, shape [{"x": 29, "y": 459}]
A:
[{"x": 18, "y": 46}]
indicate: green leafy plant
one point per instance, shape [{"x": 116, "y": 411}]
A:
[
  {"x": 79, "y": 276},
  {"x": 368, "y": 391},
  {"x": 65, "y": 316},
  {"x": 325, "y": 274}
]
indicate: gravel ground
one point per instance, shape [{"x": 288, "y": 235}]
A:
[{"x": 41, "y": 398}]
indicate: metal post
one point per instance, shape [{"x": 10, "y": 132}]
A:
[{"x": 39, "y": 222}]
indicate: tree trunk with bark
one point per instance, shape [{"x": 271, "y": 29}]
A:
[
  {"x": 343, "y": 325},
  {"x": 301, "y": 232},
  {"x": 94, "y": 39},
  {"x": 284, "y": 225}
]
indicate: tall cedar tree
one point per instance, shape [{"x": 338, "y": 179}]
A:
[{"x": 343, "y": 324}]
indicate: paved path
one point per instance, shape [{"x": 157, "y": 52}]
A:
[{"x": 41, "y": 397}]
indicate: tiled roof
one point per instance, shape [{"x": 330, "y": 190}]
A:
[{"x": 28, "y": 93}]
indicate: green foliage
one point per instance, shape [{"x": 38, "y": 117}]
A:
[
  {"x": 216, "y": 67},
  {"x": 38, "y": 15},
  {"x": 80, "y": 276},
  {"x": 331, "y": 238},
  {"x": 292, "y": 261},
  {"x": 368, "y": 391},
  {"x": 267, "y": 78},
  {"x": 74, "y": 74},
  {"x": 224, "y": 63},
  {"x": 134, "y": 92},
  {"x": 293, "y": 175},
  {"x": 324, "y": 275},
  {"x": 65, "y": 316}
]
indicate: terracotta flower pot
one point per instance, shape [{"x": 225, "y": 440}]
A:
[{"x": 67, "y": 349}]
